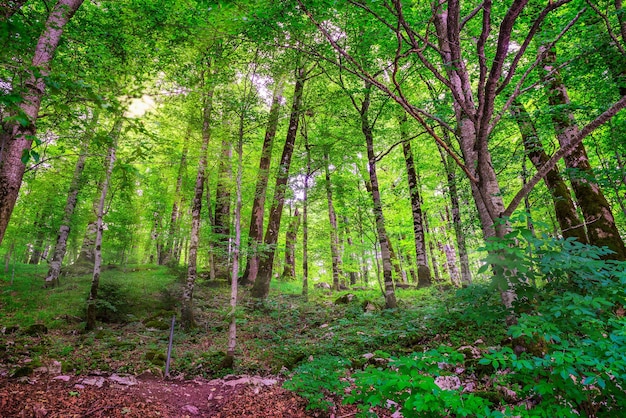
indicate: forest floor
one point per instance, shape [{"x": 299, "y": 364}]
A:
[
  {"x": 51, "y": 367},
  {"x": 147, "y": 396}
]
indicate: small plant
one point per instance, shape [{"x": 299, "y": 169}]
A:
[{"x": 318, "y": 380}]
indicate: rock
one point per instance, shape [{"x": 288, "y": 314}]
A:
[
  {"x": 97, "y": 381},
  {"x": 62, "y": 378},
  {"x": 190, "y": 409},
  {"x": 123, "y": 380},
  {"x": 322, "y": 285},
  {"x": 36, "y": 329},
  {"x": 368, "y": 355},
  {"x": 368, "y": 306},
  {"x": 345, "y": 299},
  {"x": 448, "y": 382}
]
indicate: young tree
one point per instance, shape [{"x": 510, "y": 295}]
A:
[
  {"x": 95, "y": 281},
  {"x": 58, "y": 254}
]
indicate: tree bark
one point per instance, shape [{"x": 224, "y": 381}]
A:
[
  {"x": 186, "y": 314},
  {"x": 16, "y": 138},
  {"x": 305, "y": 219},
  {"x": 423, "y": 270},
  {"x": 54, "y": 266},
  {"x": 261, "y": 286},
  {"x": 258, "y": 206},
  {"x": 95, "y": 281},
  {"x": 601, "y": 228},
  {"x": 564, "y": 209},
  {"x": 289, "y": 271},
  {"x": 334, "y": 232},
  {"x": 366, "y": 128},
  {"x": 232, "y": 329},
  {"x": 222, "y": 210}
]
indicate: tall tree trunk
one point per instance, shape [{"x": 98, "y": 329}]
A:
[
  {"x": 222, "y": 210},
  {"x": 261, "y": 286},
  {"x": 353, "y": 257},
  {"x": 232, "y": 329},
  {"x": 95, "y": 281},
  {"x": 186, "y": 314},
  {"x": 54, "y": 265},
  {"x": 334, "y": 232},
  {"x": 16, "y": 138},
  {"x": 564, "y": 209},
  {"x": 366, "y": 128},
  {"x": 601, "y": 228},
  {"x": 431, "y": 249},
  {"x": 423, "y": 270},
  {"x": 305, "y": 218},
  {"x": 289, "y": 271},
  {"x": 86, "y": 254},
  {"x": 174, "y": 226},
  {"x": 258, "y": 206}
]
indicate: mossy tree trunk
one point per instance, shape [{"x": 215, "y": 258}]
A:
[{"x": 599, "y": 220}]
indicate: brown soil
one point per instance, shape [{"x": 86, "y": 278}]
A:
[{"x": 149, "y": 396}]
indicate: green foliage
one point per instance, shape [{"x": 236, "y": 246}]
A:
[
  {"x": 570, "y": 339},
  {"x": 409, "y": 382},
  {"x": 319, "y": 380}
]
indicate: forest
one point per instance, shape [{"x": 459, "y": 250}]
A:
[{"x": 388, "y": 208}]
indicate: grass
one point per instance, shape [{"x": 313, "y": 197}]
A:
[{"x": 272, "y": 338}]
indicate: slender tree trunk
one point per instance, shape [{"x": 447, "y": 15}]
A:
[
  {"x": 40, "y": 236},
  {"x": 54, "y": 266},
  {"x": 232, "y": 329},
  {"x": 174, "y": 227},
  {"x": 222, "y": 210},
  {"x": 353, "y": 257},
  {"x": 289, "y": 271},
  {"x": 17, "y": 138},
  {"x": 366, "y": 128},
  {"x": 305, "y": 219},
  {"x": 187, "y": 319},
  {"x": 95, "y": 281},
  {"x": 450, "y": 253},
  {"x": 332, "y": 217},
  {"x": 258, "y": 206},
  {"x": 431, "y": 249},
  {"x": 564, "y": 209},
  {"x": 601, "y": 228},
  {"x": 87, "y": 254},
  {"x": 261, "y": 286},
  {"x": 423, "y": 270}
]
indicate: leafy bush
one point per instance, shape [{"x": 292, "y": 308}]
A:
[
  {"x": 570, "y": 337},
  {"x": 318, "y": 380},
  {"x": 410, "y": 383}
]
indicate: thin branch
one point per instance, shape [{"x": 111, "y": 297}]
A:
[
  {"x": 386, "y": 152},
  {"x": 605, "y": 18},
  {"x": 471, "y": 15},
  {"x": 531, "y": 34}
]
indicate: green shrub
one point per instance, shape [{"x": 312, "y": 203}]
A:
[{"x": 318, "y": 380}]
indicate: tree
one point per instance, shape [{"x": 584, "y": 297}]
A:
[
  {"x": 255, "y": 235},
  {"x": 95, "y": 281},
  {"x": 187, "y": 318},
  {"x": 19, "y": 128},
  {"x": 261, "y": 286},
  {"x": 60, "y": 248}
]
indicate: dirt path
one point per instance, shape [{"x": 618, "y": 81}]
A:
[{"x": 147, "y": 396}]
